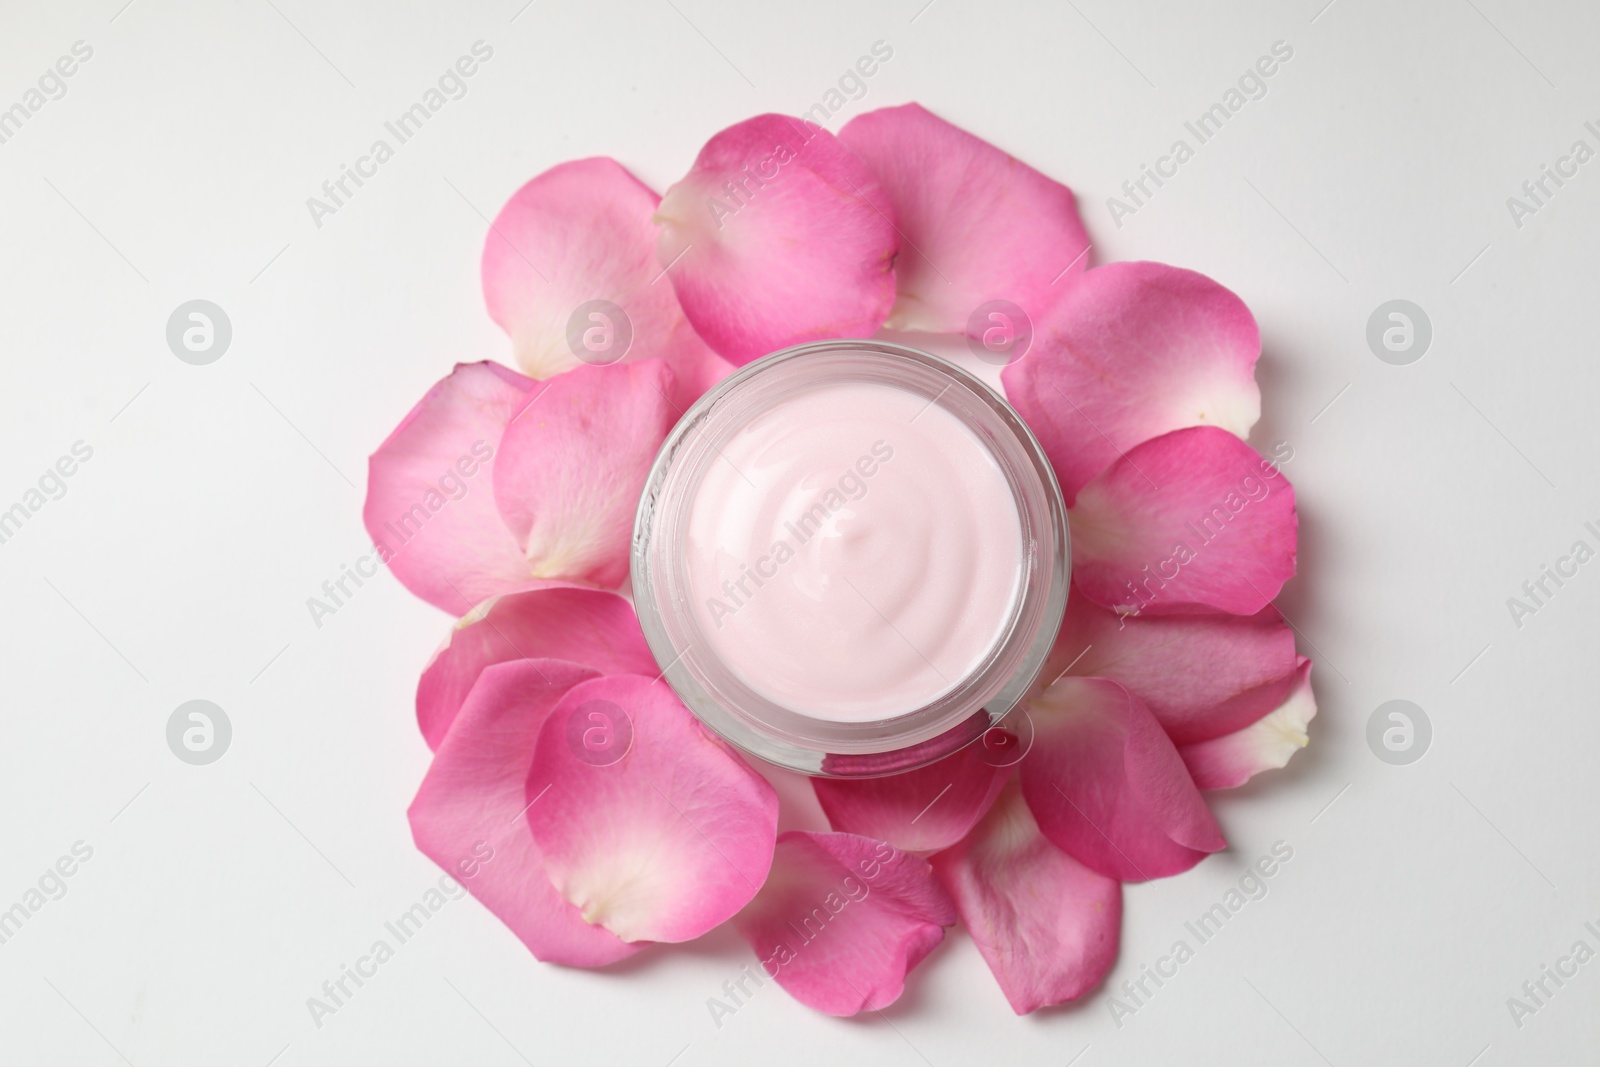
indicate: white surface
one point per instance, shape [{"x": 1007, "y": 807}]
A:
[{"x": 1415, "y": 904}]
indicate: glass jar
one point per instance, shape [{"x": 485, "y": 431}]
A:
[{"x": 667, "y": 564}]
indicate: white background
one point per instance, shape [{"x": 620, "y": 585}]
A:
[{"x": 220, "y": 497}]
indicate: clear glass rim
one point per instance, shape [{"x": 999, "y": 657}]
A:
[{"x": 821, "y": 747}]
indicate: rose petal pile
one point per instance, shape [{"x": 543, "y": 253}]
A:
[{"x": 593, "y": 811}]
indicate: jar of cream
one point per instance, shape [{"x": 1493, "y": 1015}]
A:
[{"x": 850, "y": 558}]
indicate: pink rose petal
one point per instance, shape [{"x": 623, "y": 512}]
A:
[
  {"x": 843, "y": 919},
  {"x": 1047, "y": 925},
  {"x": 1132, "y": 351},
  {"x": 430, "y": 505},
  {"x": 1269, "y": 742},
  {"x": 978, "y": 225},
  {"x": 1201, "y": 676},
  {"x": 581, "y": 232},
  {"x": 777, "y": 235},
  {"x": 572, "y": 464},
  {"x": 1194, "y": 520},
  {"x": 468, "y": 814},
  {"x": 695, "y": 369},
  {"x": 662, "y": 843},
  {"x": 923, "y": 810},
  {"x": 1106, "y": 784},
  {"x": 547, "y": 620}
]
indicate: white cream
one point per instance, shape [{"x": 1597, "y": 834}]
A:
[{"x": 855, "y": 552}]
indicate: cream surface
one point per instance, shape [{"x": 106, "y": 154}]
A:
[{"x": 855, "y": 552}]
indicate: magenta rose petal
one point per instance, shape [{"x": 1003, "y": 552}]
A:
[
  {"x": 1047, "y": 925},
  {"x": 572, "y": 464},
  {"x": 978, "y": 225},
  {"x": 1133, "y": 351},
  {"x": 1194, "y": 520},
  {"x": 1266, "y": 744},
  {"x": 922, "y": 810},
  {"x": 546, "y": 620},
  {"x": 843, "y": 919},
  {"x": 1106, "y": 784},
  {"x": 661, "y": 842},
  {"x": 467, "y": 816},
  {"x": 777, "y": 235},
  {"x": 577, "y": 235},
  {"x": 430, "y": 499},
  {"x": 1201, "y": 676},
  {"x": 695, "y": 369}
]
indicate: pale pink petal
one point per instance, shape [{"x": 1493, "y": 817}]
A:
[
  {"x": 1201, "y": 676},
  {"x": 572, "y": 464},
  {"x": 468, "y": 815},
  {"x": 430, "y": 506},
  {"x": 1106, "y": 784},
  {"x": 547, "y": 620},
  {"x": 978, "y": 225},
  {"x": 923, "y": 810},
  {"x": 1047, "y": 925},
  {"x": 1194, "y": 520},
  {"x": 663, "y": 842},
  {"x": 843, "y": 919},
  {"x": 1267, "y": 743},
  {"x": 777, "y": 235},
  {"x": 1132, "y": 351},
  {"x": 570, "y": 249}
]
